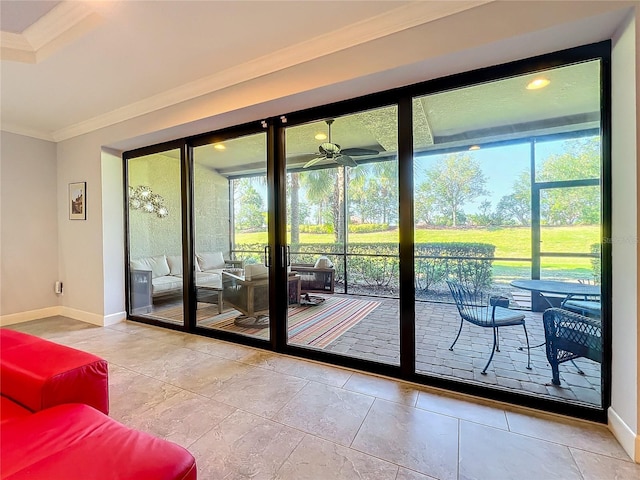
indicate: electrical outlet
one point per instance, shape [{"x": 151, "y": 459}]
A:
[{"x": 58, "y": 288}]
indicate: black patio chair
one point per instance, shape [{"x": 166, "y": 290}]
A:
[
  {"x": 570, "y": 335},
  {"x": 486, "y": 311}
]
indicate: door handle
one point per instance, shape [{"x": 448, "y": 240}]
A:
[{"x": 267, "y": 256}]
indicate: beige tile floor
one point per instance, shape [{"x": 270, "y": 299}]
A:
[{"x": 247, "y": 413}]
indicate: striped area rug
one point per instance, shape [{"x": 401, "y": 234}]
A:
[{"x": 315, "y": 326}]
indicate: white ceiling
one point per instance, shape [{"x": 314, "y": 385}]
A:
[
  {"x": 72, "y": 67},
  {"x": 84, "y": 65}
]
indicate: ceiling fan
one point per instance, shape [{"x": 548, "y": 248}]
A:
[{"x": 333, "y": 151}]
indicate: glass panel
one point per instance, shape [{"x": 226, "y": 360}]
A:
[
  {"x": 570, "y": 219},
  {"x": 155, "y": 237},
  {"x": 573, "y": 159},
  {"x": 474, "y": 149},
  {"x": 342, "y": 211},
  {"x": 230, "y": 206}
]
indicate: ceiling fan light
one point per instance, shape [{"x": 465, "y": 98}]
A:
[{"x": 330, "y": 148}]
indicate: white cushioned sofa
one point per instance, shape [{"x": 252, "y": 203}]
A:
[{"x": 165, "y": 271}]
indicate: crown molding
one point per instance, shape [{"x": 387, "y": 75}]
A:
[
  {"x": 393, "y": 21},
  {"x": 27, "y": 132},
  {"x": 62, "y": 25}
]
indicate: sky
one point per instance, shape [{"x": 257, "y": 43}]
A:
[{"x": 501, "y": 166}]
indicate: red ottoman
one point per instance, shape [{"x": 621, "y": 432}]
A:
[
  {"x": 38, "y": 374},
  {"x": 76, "y": 442}
]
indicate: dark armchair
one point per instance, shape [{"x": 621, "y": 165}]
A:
[{"x": 570, "y": 335}]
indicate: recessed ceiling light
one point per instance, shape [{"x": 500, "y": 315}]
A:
[
  {"x": 219, "y": 146},
  {"x": 537, "y": 83},
  {"x": 321, "y": 136},
  {"x": 474, "y": 147}
]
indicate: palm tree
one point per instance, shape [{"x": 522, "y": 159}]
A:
[
  {"x": 317, "y": 185},
  {"x": 294, "y": 195}
]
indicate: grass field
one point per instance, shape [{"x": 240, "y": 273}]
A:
[{"x": 510, "y": 242}]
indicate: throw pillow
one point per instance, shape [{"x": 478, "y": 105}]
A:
[{"x": 211, "y": 261}]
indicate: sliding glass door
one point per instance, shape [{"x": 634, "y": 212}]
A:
[
  {"x": 230, "y": 200},
  {"x": 342, "y": 228},
  {"x": 507, "y": 189},
  {"x": 156, "y": 282}
]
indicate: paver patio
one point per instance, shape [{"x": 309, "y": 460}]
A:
[{"x": 376, "y": 337}]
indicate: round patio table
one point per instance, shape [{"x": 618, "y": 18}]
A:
[{"x": 561, "y": 288}]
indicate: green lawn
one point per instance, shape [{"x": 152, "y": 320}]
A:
[{"x": 511, "y": 242}]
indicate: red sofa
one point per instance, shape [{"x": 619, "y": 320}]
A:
[{"x": 53, "y": 423}]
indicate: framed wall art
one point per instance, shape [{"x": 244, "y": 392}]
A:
[{"x": 78, "y": 201}]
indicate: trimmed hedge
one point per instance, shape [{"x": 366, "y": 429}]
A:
[
  {"x": 596, "y": 263},
  {"x": 377, "y": 264}
]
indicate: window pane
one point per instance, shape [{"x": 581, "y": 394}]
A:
[
  {"x": 230, "y": 205},
  {"x": 342, "y": 212},
  {"x": 155, "y": 237},
  {"x": 475, "y": 219}
]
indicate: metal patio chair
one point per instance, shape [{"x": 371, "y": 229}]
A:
[{"x": 486, "y": 311}]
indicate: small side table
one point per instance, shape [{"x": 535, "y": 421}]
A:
[{"x": 295, "y": 291}]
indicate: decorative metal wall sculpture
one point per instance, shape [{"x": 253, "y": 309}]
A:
[{"x": 142, "y": 198}]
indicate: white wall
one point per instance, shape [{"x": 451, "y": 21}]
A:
[
  {"x": 29, "y": 228},
  {"x": 112, "y": 226},
  {"x": 211, "y": 211},
  {"x": 80, "y": 254},
  {"x": 625, "y": 400}
]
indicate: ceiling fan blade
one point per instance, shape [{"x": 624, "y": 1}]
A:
[
  {"x": 356, "y": 152},
  {"x": 345, "y": 160},
  {"x": 310, "y": 163}
]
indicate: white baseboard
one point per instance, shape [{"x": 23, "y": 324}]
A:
[
  {"x": 22, "y": 317},
  {"x": 114, "y": 318},
  {"x": 629, "y": 441},
  {"x": 92, "y": 318}
]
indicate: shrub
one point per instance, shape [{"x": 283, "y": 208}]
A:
[
  {"x": 368, "y": 227},
  {"x": 377, "y": 264},
  {"x": 326, "y": 228},
  {"x": 596, "y": 264}
]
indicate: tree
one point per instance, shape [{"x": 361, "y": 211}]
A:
[
  {"x": 455, "y": 180},
  {"x": 385, "y": 183},
  {"x": 575, "y": 205},
  {"x": 318, "y": 187},
  {"x": 248, "y": 206},
  {"x": 511, "y": 210},
  {"x": 294, "y": 210},
  {"x": 517, "y": 205},
  {"x": 373, "y": 192},
  {"x": 425, "y": 204},
  {"x": 485, "y": 216}
]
